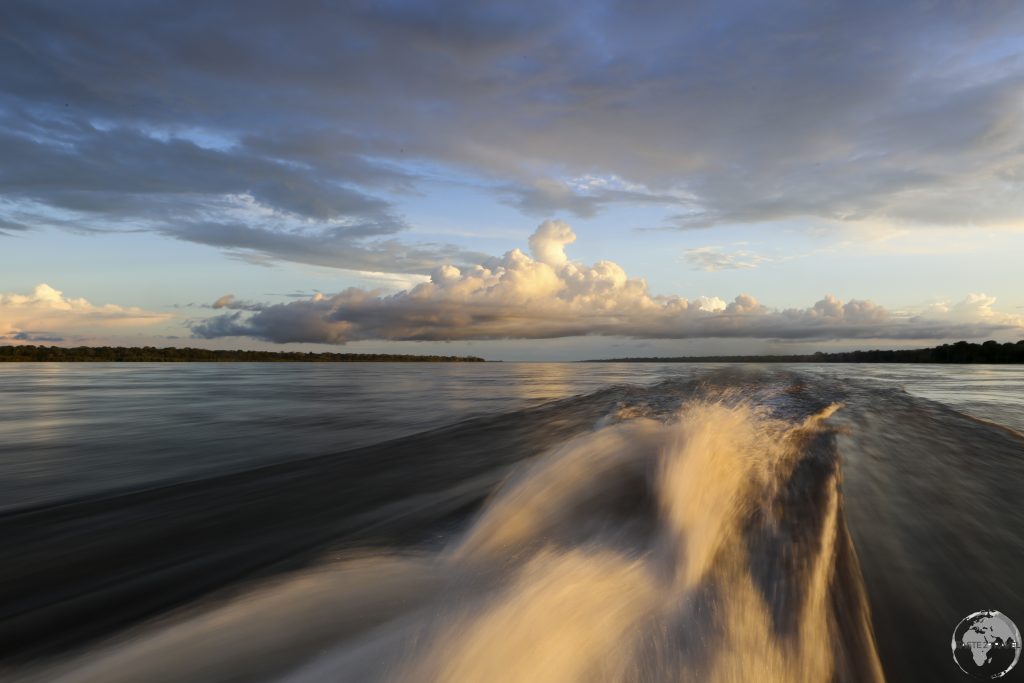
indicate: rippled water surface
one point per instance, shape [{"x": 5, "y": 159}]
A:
[
  {"x": 70, "y": 429},
  {"x": 504, "y": 521}
]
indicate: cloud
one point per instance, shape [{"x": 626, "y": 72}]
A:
[
  {"x": 253, "y": 207},
  {"x": 9, "y": 226},
  {"x": 334, "y": 247},
  {"x": 89, "y": 169},
  {"x": 393, "y": 281},
  {"x": 723, "y": 112},
  {"x": 229, "y": 302},
  {"x": 712, "y": 258},
  {"x": 974, "y": 308},
  {"x": 47, "y": 315},
  {"x": 29, "y": 337},
  {"x": 548, "y": 243},
  {"x": 547, "y": 295},
  {"x": 544, "y": 196}
]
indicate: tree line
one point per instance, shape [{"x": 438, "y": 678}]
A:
[
  {"x": 151, "y": 354},
  {"x": 960, "y": 352}
]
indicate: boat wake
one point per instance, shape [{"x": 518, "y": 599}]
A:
[{"x": 707, "y": 545}]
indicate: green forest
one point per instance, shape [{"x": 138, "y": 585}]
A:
[
  {"x": 151, "y": 354},
  {"x": 960, "y": 352}
]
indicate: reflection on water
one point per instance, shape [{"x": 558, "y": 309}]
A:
[
  {"x": 69, "y": 429},
  {"x": 518, "y": 522},
  {"x": 989, "y": 392}
]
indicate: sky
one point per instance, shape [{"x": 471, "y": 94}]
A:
[{"x": 518, "y": 181}]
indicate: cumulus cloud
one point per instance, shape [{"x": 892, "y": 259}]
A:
[
  {"x": 46, "y": 315},
  {"x": 545, "y": 295},
  {"x": 976, "y": 307},
  {"x": 548, "y": 243}
]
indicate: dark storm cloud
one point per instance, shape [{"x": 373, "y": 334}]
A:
[{"x": 729, "y": 111}]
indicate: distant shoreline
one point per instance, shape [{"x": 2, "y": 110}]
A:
[
  {"x": 990, "y": 352},
  {"x": 150, "y": 354}
]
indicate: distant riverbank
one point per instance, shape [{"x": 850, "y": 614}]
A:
[
  {"x": 960, "y": 352},
  {"x": 149, "y": 354}
]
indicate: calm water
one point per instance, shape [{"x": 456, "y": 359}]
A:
[
  {"x": 504, "y": 521},
  {"x": 73, "y": 429}
]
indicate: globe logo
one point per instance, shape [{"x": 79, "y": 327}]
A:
[{"x": 986, "y": 645}]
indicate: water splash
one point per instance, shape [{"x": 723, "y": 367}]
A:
[{"x": 708, "y": 547}]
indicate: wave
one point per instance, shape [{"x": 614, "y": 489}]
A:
[
  {"x": 752, "y": 525},
  {"x": 708, "y": 547}
]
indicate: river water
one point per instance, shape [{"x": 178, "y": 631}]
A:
[{"x": 504, "y": 521}]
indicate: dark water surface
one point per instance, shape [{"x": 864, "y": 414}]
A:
[
  {"x": 72, "y": 429},
  {"x": 519, "y": 522}
]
